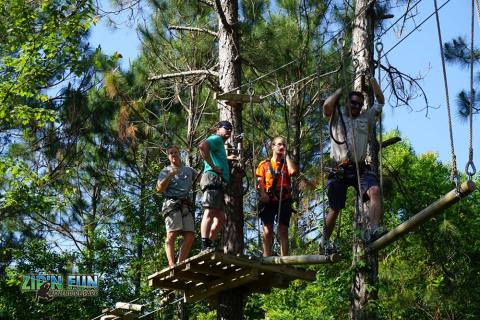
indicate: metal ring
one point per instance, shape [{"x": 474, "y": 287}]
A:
[
  {"x": 470, "y": 168},
  {"x": 291, "y": 92},
  {"x": 355, "y": 63},
  {"x": 379, "y": 46},
  {"x": 250, "y": 91},
  {"x": 340, "y": 42}
]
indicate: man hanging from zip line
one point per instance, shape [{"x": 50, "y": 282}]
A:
[
  {"x": 176, "y": 181},
  {"x": 349, "y": 133},
  {"x": 215, "y": 178},
  {"x": 274, "y": 187}
]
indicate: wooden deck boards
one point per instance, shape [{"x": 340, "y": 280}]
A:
[{"x": 210, "y": 272}]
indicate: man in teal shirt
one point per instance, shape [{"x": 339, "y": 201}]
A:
[{"x": 216, "y": 176}]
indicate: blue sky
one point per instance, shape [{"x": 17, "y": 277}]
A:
[{"x": 418, "y": 54}]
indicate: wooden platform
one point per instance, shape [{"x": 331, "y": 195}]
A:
[{"x": 211, "y": 272}]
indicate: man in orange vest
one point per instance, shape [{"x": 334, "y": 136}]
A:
[{"x": 274, "y": 187}]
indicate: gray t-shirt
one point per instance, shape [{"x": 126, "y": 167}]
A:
[
  {"x": 357, "y": 134},
  {"x": 181, "y": 184}
]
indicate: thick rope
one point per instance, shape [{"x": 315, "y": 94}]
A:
[
  {"x": 470, "y": 167},
  {"x": 291, "y": 93},
  {"x": 477, "y": 6},
  {"x": 322, "y": 171},
  {"x": 251, "y": 92},
  {"x": 454, "y": 173},
  {"x": 379, "y": 48},
  {"x": 358, "y": 206}
]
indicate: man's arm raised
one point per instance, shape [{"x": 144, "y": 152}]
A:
[
  {"x": 331, "y": 102},
  {"x": 377, "y": 91}
]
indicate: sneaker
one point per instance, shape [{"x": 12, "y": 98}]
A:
[
  {"x": 207, "y": 244},
  {"x": 326, "y": 247},
  {"x": 377, "y": 233}
]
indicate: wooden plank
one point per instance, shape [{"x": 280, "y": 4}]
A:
[
  {"x": 124, "y": 314},
  {"x": 221, "y": 285},
  {"x": 153, "y": 283},
  {"x": 178, "y": 274},
  {"x": 290, "y": 272},
  {"x": 202, "y": 256},
  {"x": 204, "y": 269},
  {"x": 237, "y": 97},
  {"x": 129, "y": 306}
]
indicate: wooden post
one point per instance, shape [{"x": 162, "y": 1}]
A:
[
  {"x": 231, "y": 302},
  {"x": 426, "y": 214},
  {"x": 304, "y": 259}
]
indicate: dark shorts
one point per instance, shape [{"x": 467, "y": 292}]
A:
[
  {"x": 213, "y": 191},
  {"x": 268, "y": 212},
  {"x": 338, "y": 183}
]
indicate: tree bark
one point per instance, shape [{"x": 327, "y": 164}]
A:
[
  {"x": 365, "y": 265},
  {"x": 231, "y": 302}
]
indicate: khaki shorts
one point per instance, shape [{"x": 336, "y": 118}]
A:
[
  {"x": 213, "y": 191},
  {"x": 178, "y": 217}
]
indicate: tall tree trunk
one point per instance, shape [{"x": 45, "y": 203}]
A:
[
  {"x": 231, "y": 302},
  {"x": 365, "y": 265},
  {"x": 141, "y": 224}
]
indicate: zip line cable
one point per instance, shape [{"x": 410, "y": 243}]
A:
[
  {"x": 416, "y": 27},
  {"x": 335, "y": 35}
]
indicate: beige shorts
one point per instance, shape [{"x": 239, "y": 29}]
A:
[{"x": 178, "y": 217}]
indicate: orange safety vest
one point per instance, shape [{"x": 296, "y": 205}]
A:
[{"x": 269, "y": 173}]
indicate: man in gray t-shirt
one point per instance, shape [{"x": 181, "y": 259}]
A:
[
  {"x": 176, "y": 182},
  {"x": 350, "y": 129}
]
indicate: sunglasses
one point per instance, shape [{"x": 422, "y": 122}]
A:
[
  {"x": 356, "y": 103},
  {"x": 226, "y": 127}
]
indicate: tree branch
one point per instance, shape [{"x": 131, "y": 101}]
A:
[
  {"x": 208, "y": 3},
  {"x": 184, "y": 74},
  {"x": 210, "y": 32},
  {"x": 220, "y": 12}
]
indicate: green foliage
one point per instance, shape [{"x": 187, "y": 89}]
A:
[
  {"x": 458, "y": 52},
  {"x": 39, "y": 47},
  {"x": 77, "y": 183}
]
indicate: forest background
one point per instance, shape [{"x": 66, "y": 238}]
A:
[{"x": 83, "y": 140}]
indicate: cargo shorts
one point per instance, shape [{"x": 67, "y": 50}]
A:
[
  {"x": 213, "y": 189},
  {"x": 178, "y": 215},
  {"x": 338, "y": 183}
]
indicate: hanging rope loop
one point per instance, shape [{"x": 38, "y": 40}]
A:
[
  {"x": 470, "y": 169},
  {"x": 379, "y": 47},
  {"x": 355, "y": 64},
  {"x": 291, "y": 93},
  {"x": 250, "y": 92},
  {"x": 340, "y": 42}
]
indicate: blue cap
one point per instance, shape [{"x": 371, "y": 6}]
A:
[{"x": 224, "y": 124}]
